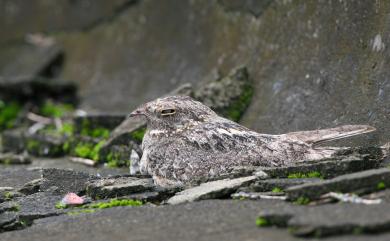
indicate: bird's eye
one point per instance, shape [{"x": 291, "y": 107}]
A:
[{"x": 167, "y": 112}]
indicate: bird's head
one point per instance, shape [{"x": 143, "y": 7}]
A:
[{"x": 173, "y": 112}]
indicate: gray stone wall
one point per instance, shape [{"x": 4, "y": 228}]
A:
[{"x": 315, "y": 64}]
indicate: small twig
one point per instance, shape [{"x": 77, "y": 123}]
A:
[
  {"x": 38, "y": 118},
  {"x": 84, "y": 161}
]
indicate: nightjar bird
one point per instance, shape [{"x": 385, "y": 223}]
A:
[{"x": 187, "y": 141}]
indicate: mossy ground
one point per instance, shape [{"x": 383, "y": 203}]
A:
[
  {"x": 8, "y": 114},
  {"x": 55, "y": 110},
  {"x": 262, "y": 222},
  {"x": 138, "y": 135},
  {"x": 313, "y": 174}
]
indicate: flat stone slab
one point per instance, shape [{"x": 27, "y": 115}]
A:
[
  {"x": 330, "y": 219},
  {"x": 118, "y": 186},
  {"x": 283, "y": 183},
  {"x": 359, "y": 182},
  {"x": 17, "y": 176},
  {"x": 327, "y": 168},
  {"x": 64, "y": 181},
  {"x": 211, "y": 190},
  {"x": 12, "y": 159}
]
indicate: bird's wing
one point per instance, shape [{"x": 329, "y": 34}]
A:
[
  {"x": 205, "y": 151},
  {"x": 317, "y": 137}
]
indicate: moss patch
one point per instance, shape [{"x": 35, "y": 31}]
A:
[
  {"x": 8, "y": 113},
  {"x": 238, "y": 107},
  {"x": 381, "y": 186},
  {"x": 262, "y": 222},
  {"x": 302, "y": 201},
  {"x": 88, "y": 150},
  {"x": 313, "y": 174},
  {"x": 97, "y": 132},
  {"x": 80, "y": 211},
  {"x": 55, "y": 110},
  {"x": 277, "y": 190},
  {"x": 114, "y": 203},
  {"x": 138, "y": 135}
]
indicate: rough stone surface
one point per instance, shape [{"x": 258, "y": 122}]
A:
[
  {"x": 10, "y": 158},
  {"x": 118, "y": 186},
  {"x": 330, "y": 219},
  {"x": 17, "y": 177},
  {"x": 268, "y": 185},
  {"x": 64, "y": 181},
  {"x": 327, "y": 168},
  {"x": 365, "y": 181},
  {"x": 211, "y": 190},
  {"x": 172, "y": 42}
]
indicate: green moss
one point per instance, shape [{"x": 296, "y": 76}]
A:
[
  {"x": 114, "y": 203},
  {"x": 313, "y": 174},
  {"x": 66, "y": 146},
  {"x": 262, "y": 222},
  {"x": 235, "y": 110},
  {"x": 98, "y": 132},
  {"x": 302, "y": 201},
  {"x": 88, "y": 150},
  {"x": 32, "y": 145},
  {"x": 60, "y": 205},
  {"x": 277, "y": 190},
  {"x": 138, "y": 135},
  {"x": 80, "y": 211},
  {"x": 381, "y": 186},
  {"x": 67, "y": 129},
  {"x": 8, "y": 114},
  {"x": 57, "y": 110},
  {"x": 8, "y": 195}
]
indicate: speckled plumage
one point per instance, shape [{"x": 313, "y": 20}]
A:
[{"x": 187, "y": 141}]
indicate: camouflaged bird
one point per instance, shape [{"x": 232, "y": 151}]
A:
[{"x": 187, "y": 141}]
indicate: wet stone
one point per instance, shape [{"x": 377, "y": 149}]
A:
[
  {"x": 61, "y": 181},
  {"x": 359, "y": 182},
  {"x": 118, "y": 186},
  {"x": 327, "y": 168},
  {"x": 12, "y": 159},
  {"x": 211, "y": 190}
]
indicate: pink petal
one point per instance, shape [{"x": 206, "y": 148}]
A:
[{"x": 72, "y": 199}]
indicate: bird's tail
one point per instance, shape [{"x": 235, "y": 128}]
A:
[{"x": 317, "y": 137}]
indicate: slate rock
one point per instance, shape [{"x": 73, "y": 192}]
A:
[
  {"x": 61, "y": 181},
  {"x": 38, "y": 205},
  {"x": 118, "y": 186},
  {"x": 32, "y": 186},
  {"x": 327, "y": 168},
  {"x": 33, "y": 60},
  {"x": 7, "y": 220},
  {"x": 38, "y": 89},
  {"x": 228, "y": 96},
  {"x": 16, "y": 177},
  {"x": 11, "y": 158},
  {"x": 359, "y": 182},
  {"x": 282, "y": 183},
  {"x": 13, "y": 140},
  {"x": 211, "y": 190}
]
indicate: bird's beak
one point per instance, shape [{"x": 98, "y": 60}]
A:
[{"x": 137, "y": 112}]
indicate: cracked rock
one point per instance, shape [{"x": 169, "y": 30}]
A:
[
  {"x": 118, "y": 186},
  {"x": 328, "y": 168},
  {"x": 359, "y": 182},
  {"x": 211, "y": 190},
  {"x": 62, "y": 181}
]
